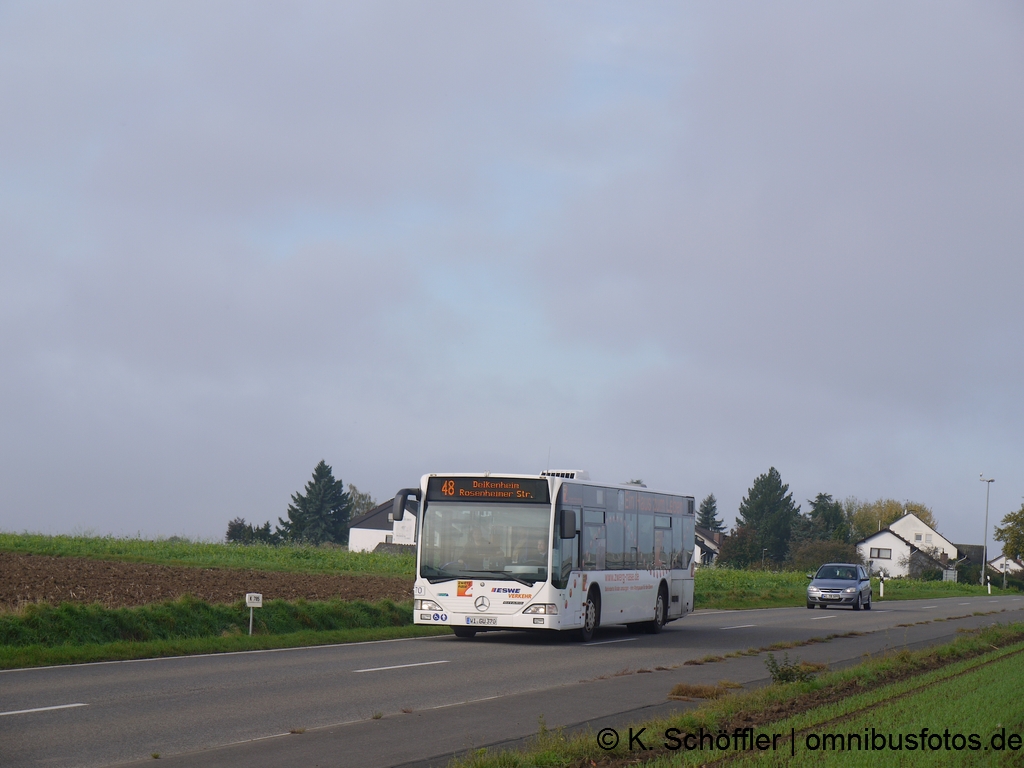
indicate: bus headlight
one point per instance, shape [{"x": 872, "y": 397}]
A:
[
  {"x": 425, "y": 605},
  {"x": 546, "y": 608}
]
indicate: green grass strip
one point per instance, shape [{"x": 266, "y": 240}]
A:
[
  {"x": 286, "y": 557},
  {"x": 862, "y": 686},
  {"x": 188, "y": 618},
  {"x": 725, "y": 588}
]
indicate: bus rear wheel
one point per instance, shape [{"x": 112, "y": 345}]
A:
[
  {"x": 591, "y": 616},
  {"x": 464, "y": 632},
  {"x": 658, "y": 624}
]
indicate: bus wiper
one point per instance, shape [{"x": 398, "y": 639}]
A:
[{"x": 439, "y": 574}]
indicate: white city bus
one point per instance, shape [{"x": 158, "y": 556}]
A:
[{"x": 549, "y": 552}]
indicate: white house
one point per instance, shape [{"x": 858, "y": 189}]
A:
[
  {"x": 922, "y": 536},
  {"x": 373, "y": 528},
  {"x": 1002, "y": 563},
  {"x": 907, "y": 547},
  {"x": 707, "y": 545}
]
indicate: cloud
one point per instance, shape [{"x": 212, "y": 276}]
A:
[{"x": 683, "y": 245}]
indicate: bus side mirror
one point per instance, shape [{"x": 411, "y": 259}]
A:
[
  {"x": 398, "y": 508},
  {"x": 568, "y": 524}
]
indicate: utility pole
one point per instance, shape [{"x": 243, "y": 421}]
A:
[{"x": 984, "y": 552}]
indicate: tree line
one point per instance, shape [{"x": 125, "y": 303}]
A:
[
  {"x": 772, "y": 530},
  {"x": 319, "y": 515}
]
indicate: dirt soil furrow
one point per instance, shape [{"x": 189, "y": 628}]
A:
[{"x": 26, "y": 579}]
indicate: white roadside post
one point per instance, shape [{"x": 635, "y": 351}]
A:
[
  {"x": 253, "y": 600},
  {"x": 881, "y": 586}
]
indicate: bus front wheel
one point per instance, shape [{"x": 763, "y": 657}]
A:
[
  {"x": 464, "y": 632},
  {"x": 591, "y": 616}
]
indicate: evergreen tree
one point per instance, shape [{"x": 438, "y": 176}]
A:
[
  {"x": 828, "y": 519},
  {"x": 740, "y": 548},
  {"x": 240, "y": 532},
  {"x": 707, "y": 515},
  {"x": 825, "y": 522},
  {"x": 769, "y": 512},
  {"x": 320, "y": 515}
]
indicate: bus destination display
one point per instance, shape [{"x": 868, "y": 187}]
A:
[{"x": 495, "y": 489}]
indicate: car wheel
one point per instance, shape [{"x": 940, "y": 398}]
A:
[
  {"x": 856, "y": 603},
  {"x": 810, "y": 606},
  {"x": 867, "y": 605},
  {"x": 464, "y": 632}
]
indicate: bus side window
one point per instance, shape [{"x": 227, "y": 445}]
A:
[
  {"x": 593, "y": 547},
  {"x": 688, "y": 524},
  {"x": 645, "y": 540},
  {"x": 677, "y": 541},
  {"x": 615, "y": 540},
  {"x": 629, "y": 548}
]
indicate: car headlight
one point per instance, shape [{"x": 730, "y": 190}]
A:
[
  {"x": 425, "y": 605},
  {"x": 849, "y": 590},
  {"x": 546, "y": 608},
  {"x": 813, "y": 591}
]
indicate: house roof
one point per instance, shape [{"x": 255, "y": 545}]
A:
[
  {"x": 706, "y": 539},
  {"x": 377, "y": 518},
  {"x": 879, "y": 533},
  {"x": 973, "y": 552},
  {"x": 913, "y": 547}
]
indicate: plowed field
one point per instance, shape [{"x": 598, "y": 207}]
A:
[{"x": 42, "y": 579}]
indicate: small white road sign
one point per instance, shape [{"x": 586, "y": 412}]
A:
[{"x": 254, "y": 600}]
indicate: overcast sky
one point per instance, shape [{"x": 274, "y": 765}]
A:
[{"x": 681, "y": 242}]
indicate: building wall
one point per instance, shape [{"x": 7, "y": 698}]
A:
[
  {"x": 405, "y": 530},
  {"x": 365, "y": 539},
  {"x": 911, "y": 528},
  {"x": 899, "y": 551}
]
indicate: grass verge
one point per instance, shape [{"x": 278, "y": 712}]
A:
[
  {"x": 844, "y": 701},
  {"x": 44, "y": 634},
  {"x": 725, "y": 588}
]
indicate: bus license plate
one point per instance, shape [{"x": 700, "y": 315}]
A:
[{"x": 486, "y": 621}]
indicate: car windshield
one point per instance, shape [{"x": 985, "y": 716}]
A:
[
  {"x": 843, "y": 572},
  {"x": 473, "y": 541}
]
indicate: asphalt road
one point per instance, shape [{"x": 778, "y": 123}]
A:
[{"x": 418, "y": 701}]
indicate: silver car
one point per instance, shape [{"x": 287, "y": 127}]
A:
[{"x": 840, "y": 584}]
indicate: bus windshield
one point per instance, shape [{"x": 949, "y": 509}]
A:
[{"x": 478, "y": 541}]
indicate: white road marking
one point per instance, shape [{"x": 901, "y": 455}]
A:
[
  {"x": 171, "y": 659},
  {"x": 402, "y": 666},
  {"x": 820, "y": 618},
  {"x": 740, "y": 626},
  {"x": 963, "y": 603},
  {"x": 605, "y": 642},
  {"x": 41, "y": 709},
  {"x": 928, "y": 606},
  {"x": 884, "y": 610}
]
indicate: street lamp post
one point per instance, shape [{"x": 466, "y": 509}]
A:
[
  {"x": 984, "y": 552},
  {"x": 763, "y": 552}
]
